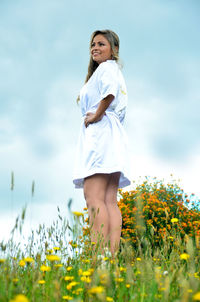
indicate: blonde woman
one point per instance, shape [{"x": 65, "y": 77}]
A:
[{"x": 101, "y": 160}]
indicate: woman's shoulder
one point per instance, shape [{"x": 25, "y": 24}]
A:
[{"x": 109, "y": 66}]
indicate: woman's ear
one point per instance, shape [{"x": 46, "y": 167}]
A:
[{"x": 117, "y": 48}]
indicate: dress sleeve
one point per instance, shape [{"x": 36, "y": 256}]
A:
[{"x": 107, "y": 81}]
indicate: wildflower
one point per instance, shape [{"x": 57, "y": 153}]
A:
[
  {"x": 86, "y": 273},
  {"x": 96, "y": 290},
  {"x": 56, "y": 248},
  {"x": 29, "y": 259},
  {"x": 184, "y": 256},
  {"x": 41, "y": 281},
  {"x": 189, "y": 290},
  {"x": 2, "y": 260},
  {"x": 21, "y": 298},
  {"x": 174, "y": 220},
  {"x": 69, "y": 268},
  {"x": 119, "y": 279},
  {"x": 128, "y": 285},
  {"x": 58, "y": 265},
  {"x": 74, "y": 245},
  {"x": 49, "y": 251},
  {"x": 162, "y": 289},
  {"x": 80, "y": 271},
  {"x": 86, "y": 279},
  {"x": 77, "y": 214},
  {"x": 15, "y": 280},
  {"x": 138, "y": 259},
  {"x": 69, "y": 278},
  {"x": 22, "y": 263},
  {"x": 71, "y": 284},
  {"x": 109, "y": 299},
  {"x": 45, "y": 268},
  {"x": 86, "y": 260},
  {"x": 122, "y": 269},
  {"x": 67, "y": 298},
  {"x": 196, "y": 297},
  {"x": 53, "y": 258}
]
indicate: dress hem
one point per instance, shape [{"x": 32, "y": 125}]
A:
[{"x": 123, "y": 181}]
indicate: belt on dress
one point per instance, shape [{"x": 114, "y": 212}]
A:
[{"x": 106, "y": 112}]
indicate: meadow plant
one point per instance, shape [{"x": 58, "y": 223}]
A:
[{"x": 158, "y": 260}]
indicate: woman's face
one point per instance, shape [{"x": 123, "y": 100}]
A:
[{"x": 100, "y": 49}]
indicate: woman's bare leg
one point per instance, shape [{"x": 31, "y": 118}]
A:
[
  {"x": 114, "y": 214},
  {"x": 94, "y": 191}
]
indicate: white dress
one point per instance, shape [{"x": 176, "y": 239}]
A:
[{"x": 102, "y": 146}]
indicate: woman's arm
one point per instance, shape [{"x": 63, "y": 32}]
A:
[{"x": 97, "y": 116}]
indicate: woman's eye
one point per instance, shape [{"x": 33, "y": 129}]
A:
[{"x": 93, "y": 44}]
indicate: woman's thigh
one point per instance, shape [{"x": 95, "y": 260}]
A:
[
  {"x": 112, "y": 188},
  {"x": 95, "y": 187}
]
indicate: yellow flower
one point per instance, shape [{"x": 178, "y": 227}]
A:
[
  {"x": 80, "y": 271},
  {"x": 67, "y": 298},
  {"x": 196, "y": 297},
  {"x": 45, "y": 268},
  {"x": 128, "y": 285},
  {"x": 49, "y": 251},
  {"x": 77, "y": 214},
  {"x": 53, "y": 258},
  {"x": 41, "y": 281},
  {"x": 74, "y": 245},
  {"x": 69, "y": 268},
  {"x": 119, "y": 279},
  {"x": 86, "y": 279},
  {"x": 28, "y": 259},
  {"x": 2, "y": 260},
  {"x": 56, "y": 248},
  {"x": 86, "y": 273},
  {"x": 15, "y": 280},
  {"x": 22, "y": 263},
  {"x": 86, "y": 260},
  {"x": 71, "y": 284},
  {"x": 184, "y": 256},
  {"x": 174, "y": 220},
  {"x": 58, "y": 265},
  {"x": 138, "y": 259},
  {"x": 122, "y": 269},
  {"x": 21, "y": 298},
  {"x": 96, "y": 290},
  {"x": 69, "y": 278},
  {"x": 109, "y": 299}
]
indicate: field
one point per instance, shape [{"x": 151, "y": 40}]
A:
[{"x": 158, "y": 260}]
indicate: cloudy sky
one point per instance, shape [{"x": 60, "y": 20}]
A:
[{"x": 43, "y": 62}]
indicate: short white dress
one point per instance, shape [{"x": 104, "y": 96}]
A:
[{"x": 102, "y": 146}]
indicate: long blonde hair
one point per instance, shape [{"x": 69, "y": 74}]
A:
[{"x": 113, "y": 39}]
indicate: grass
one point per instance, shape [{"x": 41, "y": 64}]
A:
[{"x": 53, "y": 267}]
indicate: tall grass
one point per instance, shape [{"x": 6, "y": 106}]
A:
[{"x": 53, "y": 267}]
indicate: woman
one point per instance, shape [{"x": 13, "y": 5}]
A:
[{"x": 100, "y": 166}]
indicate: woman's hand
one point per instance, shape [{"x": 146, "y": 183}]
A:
[{"x": 91, "y": 118}]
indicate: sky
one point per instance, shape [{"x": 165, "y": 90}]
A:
[{"x": 44, "y": 54}]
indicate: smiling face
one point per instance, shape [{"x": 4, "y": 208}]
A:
[{"x": 100, "y": 49}]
